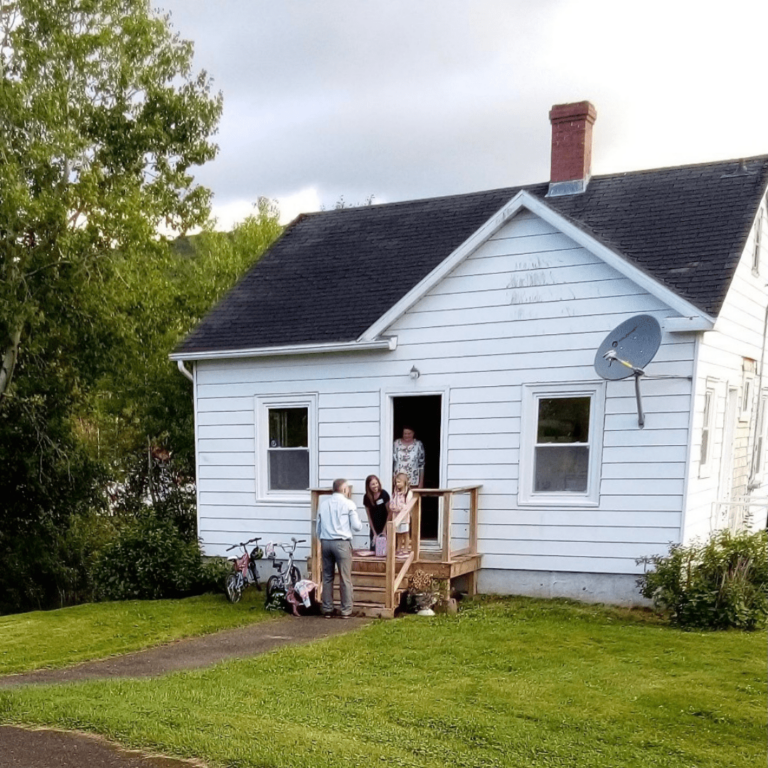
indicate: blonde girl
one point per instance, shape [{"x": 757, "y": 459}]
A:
[{"x": 402, "y": 497}]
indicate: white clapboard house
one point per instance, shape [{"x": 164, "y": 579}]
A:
[{"x": 476, "y": 319}]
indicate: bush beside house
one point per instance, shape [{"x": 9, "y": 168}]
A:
[{"x": 720, "y": 583}]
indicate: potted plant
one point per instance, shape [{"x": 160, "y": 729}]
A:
[{"x": 425, "y": 591}]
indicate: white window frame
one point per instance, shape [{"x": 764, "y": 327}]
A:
[
  {"x": 756, "y": 249},
  {"x": 263, "y": 405},
  {"x": 747, "y": 396},
  {"x": 761, "y": 437},
  {"x": 531, "y": 394},
  {"x": 710, "y": 392}
]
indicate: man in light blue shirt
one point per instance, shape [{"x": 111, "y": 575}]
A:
[{"x": 337, "y": 518}]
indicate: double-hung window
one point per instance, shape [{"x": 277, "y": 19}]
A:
[
  {"x": 288, "y": 452},
  {"x": 707, "y": 430},
  {"x": 561, "y": 444},
  {"x": 285, "y": 448}
]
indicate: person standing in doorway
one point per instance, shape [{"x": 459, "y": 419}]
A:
[
  {"x": 408, "y": 456},
  {"x": 337, "y": 519}
]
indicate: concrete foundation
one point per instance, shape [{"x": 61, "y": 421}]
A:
[{"x": 611, "y": 588}]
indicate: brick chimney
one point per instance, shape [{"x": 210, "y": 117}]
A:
[{"x": 571, "y": 147}]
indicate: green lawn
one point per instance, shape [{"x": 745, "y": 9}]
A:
[
  {"x": 518, "y": 683},
  {"x": 59, "y": 638}
]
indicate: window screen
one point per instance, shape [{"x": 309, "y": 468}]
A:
[
  {"x": 562, "y": 445},
  {"x": 288, "y": 453}
]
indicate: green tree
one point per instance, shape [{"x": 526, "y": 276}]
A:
[
  {"x": 141, "y": 415},
  {"x": 101, "y": 120}
]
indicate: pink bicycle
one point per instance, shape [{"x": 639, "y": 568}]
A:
[{"x": 245, "y": 573}]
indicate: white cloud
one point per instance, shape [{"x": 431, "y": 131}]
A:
[
  {"x": 229, "y": 214},
  {"x": 303, "y": 201},
  {"x": 403, "y": 100}
]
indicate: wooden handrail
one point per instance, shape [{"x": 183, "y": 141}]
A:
[
  {"x": 389, "y": 594},
  {"x": 394, "y": 574},
  {"x": 406, "y": 565},
  {"x": 441, "y": 491},
  {"x": 393, "y": 579},
  {"x": 447, "y": 554}
]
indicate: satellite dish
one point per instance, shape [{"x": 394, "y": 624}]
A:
[{"x": 626, "y": 350}]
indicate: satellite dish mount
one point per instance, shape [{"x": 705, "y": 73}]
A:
[{"x": 625, "y": 352}]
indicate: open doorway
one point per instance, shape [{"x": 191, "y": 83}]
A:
[{"x": 422, "y": 414}]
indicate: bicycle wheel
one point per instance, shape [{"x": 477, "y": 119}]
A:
[
  {"x": 254, "y": 576},
  {"x": 234, "y": 587},
  {"x": 295, "y": 575}
]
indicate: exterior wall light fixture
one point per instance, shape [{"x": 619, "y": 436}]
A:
[{"x": 414, "y": 373}]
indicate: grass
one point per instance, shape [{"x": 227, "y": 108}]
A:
[
  {"x": 48, "y": 639},
  {"x": 512, "y": 682}
]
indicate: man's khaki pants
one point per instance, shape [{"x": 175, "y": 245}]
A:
[{"x": 337, "y": 552}]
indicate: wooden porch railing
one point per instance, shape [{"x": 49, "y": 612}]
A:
[
  {"x": 394, "y": 579},
  {"x": 447, "y": 554},
  {"x": 315, "y": 563},
  {"x": 397, "y": 570}
]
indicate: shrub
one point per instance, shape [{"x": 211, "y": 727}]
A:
[
  {"x": 720, "y": 583},
  {"x": 214, "y": 573},
  {"x": 150, "y": 559}
]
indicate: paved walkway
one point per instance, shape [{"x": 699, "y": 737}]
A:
[{"x": 27, "y": 748}]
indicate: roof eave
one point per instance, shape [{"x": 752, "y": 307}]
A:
[{"x": 388, "y": 343}]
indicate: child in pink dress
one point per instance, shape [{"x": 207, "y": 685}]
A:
[{"x": 402, "y": 497}]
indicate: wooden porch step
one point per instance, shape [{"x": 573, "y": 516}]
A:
[
  {"x": 374, "y": 610},
  {"x": 365, "y": 594},
  {"x": 368, "y": 579}
]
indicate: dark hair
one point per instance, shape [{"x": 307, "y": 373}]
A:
[
  {"x": 338, "y": 484},
  {"x": 409, "y": 427},
  {"x": 368, "y": 496}
]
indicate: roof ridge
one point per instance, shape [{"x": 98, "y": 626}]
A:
[
  {"x": 513, "y": 190},
  {"x": 709, "y": 164}
]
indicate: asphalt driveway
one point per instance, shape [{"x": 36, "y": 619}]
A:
[{"x": 43, "y": 748}]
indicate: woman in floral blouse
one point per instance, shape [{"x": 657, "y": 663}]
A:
[{"x": 408, "y": 457}]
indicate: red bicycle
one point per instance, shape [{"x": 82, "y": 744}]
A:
[{"x": 245, "y": 573}]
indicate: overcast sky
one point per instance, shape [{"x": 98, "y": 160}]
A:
[{"x": 403, "y": 99}]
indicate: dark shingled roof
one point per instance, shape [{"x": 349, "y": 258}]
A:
[{"x": 333, "y": 274}]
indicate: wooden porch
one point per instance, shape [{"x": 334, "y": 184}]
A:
[{"x": 379, "y": 582}]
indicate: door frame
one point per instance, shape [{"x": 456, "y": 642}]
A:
[{"x": 388, "y": 394}]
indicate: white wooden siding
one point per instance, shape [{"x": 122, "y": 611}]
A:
[
  {"x": 529, "y": 306},
  {"x": 738, "y": 334}
]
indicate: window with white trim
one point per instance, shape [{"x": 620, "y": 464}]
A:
[
  {"x": 288, "y": 452},
  {"x": 561, "y": 444},
  {"x": 707, "y": 432},
  {"x": 758, "y": 451},
  {"x": 747, "y": 395},
  {"x": 757, "y": 243},
  {"x": 285, "y": 446}
]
